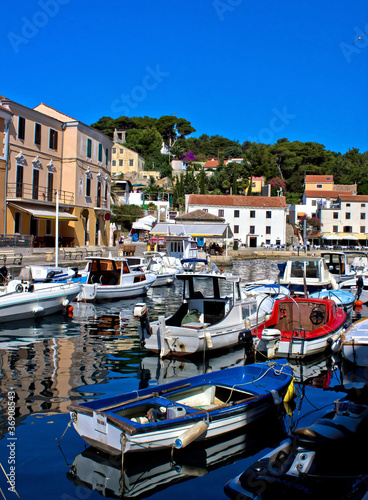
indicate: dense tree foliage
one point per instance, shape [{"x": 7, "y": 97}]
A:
[{"x": 283, "y": 164}]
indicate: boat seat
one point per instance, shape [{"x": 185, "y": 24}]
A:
[{"x": 322, "y": 430}]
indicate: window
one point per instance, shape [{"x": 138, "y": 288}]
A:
[
  {"x": 21, "y": 128},
  {"x": 99, "y": 152},
  {"x": 113, "y": 163},
  {"x": 106, "y": 191},
  {"x": 268, "y": 214},
  {"x": 205, "y": 210},
  {"x": 113, "y": 151},
  {"x": 362, "y": 216},
  {"x": 106, "y": 156},
  {"x": 335, "y": 229},
  {"x": 268, "y": 242},
  {"x": 268, "y": 229},
  {"x": 220, "y": 213},
  {"x": 319, "y": 186},
  {"x": 362, "y": 229},
  {"x": 98, "y": 204},
  {"x": 131, "y": 163},
  {"x": 336, "y": 215},
  {"x": 252, "y": 229},
  {"x": 121, "y": 151},
  {"x": 19, "y": 181},
  {"x": 348, "y": 204},
  {"x": 37, "y": 134},
  {"x": 48, "y": 227},
  {"x": 88, "y": 187},
  {"x": 35, "y": 185},
  {"x": 50, "y": 186},
  {"x": 120, "y": 163},
  {"x": 347, "y": 215},
  {"x": 362, "y": 205},
  {"x": 347, "y": 229},
  {"x": 89, "y": 148},
  {"x": 236, "y": 213},
  {"x": 236, "y": 229},
  {"x": 53, "y": 139},
  {"x": 252, "y": 214},
  {"x": 314, "y": 203}
]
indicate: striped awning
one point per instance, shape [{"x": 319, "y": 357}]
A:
[
  {"x": 43, "y": 213},
  {"x": 194, "y": 230}
]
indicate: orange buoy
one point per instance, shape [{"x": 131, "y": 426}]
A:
[
  {"x": 358, "y": 303},
  {"x": 70, "y": 309}
]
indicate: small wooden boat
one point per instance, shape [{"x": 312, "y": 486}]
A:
[
  {"x": 322, "y": 460},
  {"x": 213, "y": 315},
  {"x": 176, "y": 414},
  {"x": 354, "y": 345},
  {"x": 342, "y": 298},
  {"x": 300, "y": 327},
  {"x": 110, "y": 278}
]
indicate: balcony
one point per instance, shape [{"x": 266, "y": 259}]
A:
[
  {"x": 100, "y": 202},
  {"x": 29, "y": 192}
]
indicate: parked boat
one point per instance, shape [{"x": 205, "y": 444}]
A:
[
  {"x": 110, "y": 278},
  {"x": 300, "y": 327},
  {"x": 139, "y": 478},
  {"x": 272, "y": 289},
  {"x": 342, "y": 298},
  {"x": 20, "y": 299},
  {"x": 199, "y": 265},
  {"x": 352, "y": 285},
  {"x": 55, "y": 274},
  {"x": 175, "y": 414},
  {"x": 213, "y": 315},
  {"x": 354, "y": 345},
  {"x": 320, "y": 461},
  {"x": 165, "y": 274},
  {"x": 341, "y": 265}
]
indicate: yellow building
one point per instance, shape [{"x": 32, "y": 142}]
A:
[
  {"x": 55, "y": 158},
  {"x": 125, "y": 160}
]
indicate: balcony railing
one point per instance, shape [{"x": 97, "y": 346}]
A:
[
  {"x": 38, "y": 193},
  {"x": 100, "y": 202}
]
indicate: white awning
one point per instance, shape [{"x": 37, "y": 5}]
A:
[
  {"x": 141, "y": 226},
  {"x": 194, "y": 230},
  {"x": 43, "y": 213}
]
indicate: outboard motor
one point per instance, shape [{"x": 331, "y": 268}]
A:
[
  {"x": 140, "y": 311},
  {"x": 269, "y": 341},
  {"x": 3, "y": 275}
]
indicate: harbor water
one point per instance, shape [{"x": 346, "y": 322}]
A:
[{"x": 47, "y": 364}]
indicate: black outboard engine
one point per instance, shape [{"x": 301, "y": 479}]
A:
[{"x": 3, "y": 275}]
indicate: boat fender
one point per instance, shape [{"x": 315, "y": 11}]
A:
[
  {"x": 37, "y": 310},
  {"x": 65, "y": 302},
  {"x": 290, "y": 393},
  {"x": 276, "y": 397},
  {"x": 19, "y": 288},
  {"x": 140, "y": 420},
  {"x": 207, "y": 336},
  {"x": 191, "y": 434},
  {"x": 247, "y": 323}
]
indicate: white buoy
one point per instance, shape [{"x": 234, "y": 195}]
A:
[
  {"x": 38, "y": 310},
  {"x": 65, "y": 302},
  {"x": 191, "y": 434}
]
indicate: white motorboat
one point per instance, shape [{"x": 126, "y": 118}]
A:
[
  {"x": 20, "y": 299},
  {"x": 213, "y": 315},
  {"x": 165, "y": 274},
  {"x": 351, "y": 285},
  {"x": 110, "y": 278},
  {"x": 300, "y": 275},
  {"x": 354, "y": 346},
  {"x": 55, "y": 274},
  {"x": 342, "y": 265}
]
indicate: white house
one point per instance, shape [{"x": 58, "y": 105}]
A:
[{"x": 255, "y": 220}]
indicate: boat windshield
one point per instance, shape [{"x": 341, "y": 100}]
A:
[
  {"x": 310, "y": 268},
  {"x": 206, "y": 287}
]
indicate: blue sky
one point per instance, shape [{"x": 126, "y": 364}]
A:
[{"x": 243, "y": 69}]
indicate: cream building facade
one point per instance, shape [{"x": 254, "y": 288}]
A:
[{"x": 51, "y": 157}]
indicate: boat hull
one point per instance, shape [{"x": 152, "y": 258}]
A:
[
  {"x": 254, "y": 391},
  {"x": 354, "y": 344},
  {"x": 43, "y": 301},
  {"x": 100, "y": 293}
]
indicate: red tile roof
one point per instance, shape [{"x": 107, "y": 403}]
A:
[
  {"x": 237, "y": 201},
  {"x": 318, "y": 193},
  {"x": 211, "y": 164},
  {"x": 319, "y": 178},
  {"x": 354, "y": 197}
]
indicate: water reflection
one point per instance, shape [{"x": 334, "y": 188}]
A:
[
  {"x": 103, "y": 473},
  {"x": 56, "y": 360}
]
